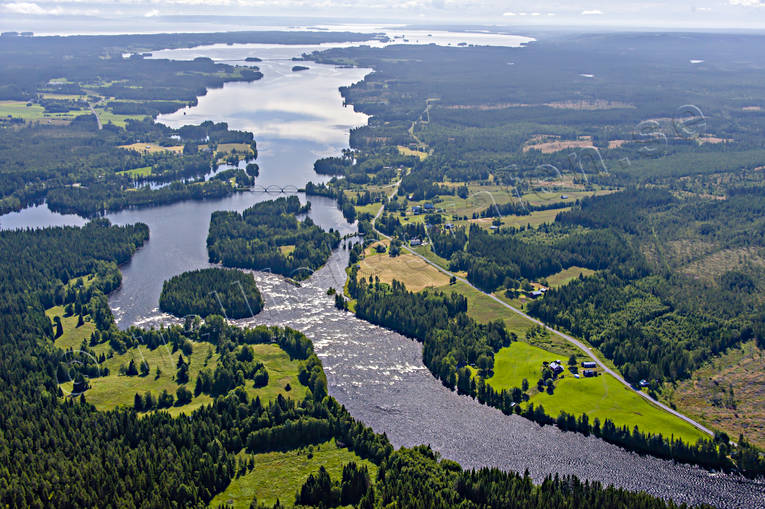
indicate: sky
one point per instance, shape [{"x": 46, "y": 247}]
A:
[{"x": 69, "y": 16}]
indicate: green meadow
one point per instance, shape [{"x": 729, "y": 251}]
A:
[
  {"x": 114, "y": 390},
  {"x": 603, "y": 396},
  {"x": 279, "y": 475}
]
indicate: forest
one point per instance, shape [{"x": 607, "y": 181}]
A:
[
  {"x": 269, "y": 236},
  {"x": 61, "y": 460},
  {"x": 82, "y": 170},
  {"x": 203, "y": 292},
  {"x": 659, "y": 323}
]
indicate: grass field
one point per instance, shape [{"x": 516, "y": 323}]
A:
[
  {"x": 151, "y": 148},
  {"x": 484, "y": 309},
  {"x": 566, "y": 275},
  {"x": 19, "y": 109},
  {"x": 230, "y": 148},
  {"x": 118, "y": 390},
  {"x": 415, "y": 273},
  {"x": 286, "y": 250},
  {"x": 137, "y": 172},
  {"x": 728, "y": 393},
  {"x": 602, "y": 397},
  {"x": 281, "y": 474},
  {"x": 409, "y": 152},
  {"x": 107, "y": 116},
  {"x": 73, "y": 335},
  {"x": 430, "y": 255},
  {"x": 370, "y": 208},
  {"x": 535, "y": 218}
]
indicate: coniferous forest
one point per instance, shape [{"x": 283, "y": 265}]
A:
[
  {"x": 268, "y": 236},
  {"x": 204, "y": 292}
]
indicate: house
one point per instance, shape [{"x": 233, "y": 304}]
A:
[
  {"x": 576, "y": 375},
  {"x": 415, "y": 242},
  {"x": 589, "y": 372},
  {"x": 643, "y": 383},
  {"x": 416, "y": 209},
  {"x": 588, "y": 364},
  {"x": 564, "y": 197},
  {"x": 555, "y": 367},
  {"x": 536, "y": 293},
  {"x": 428, "y": 206}
]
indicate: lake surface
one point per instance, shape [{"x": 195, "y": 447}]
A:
[{"x": 377, "y": 374}]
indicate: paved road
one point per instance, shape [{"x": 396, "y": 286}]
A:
[
  {"x": 579, "y": 344},
  {"x": 98, "y": 119}
]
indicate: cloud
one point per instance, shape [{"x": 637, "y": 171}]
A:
[
  {"x": 509, "y": 14},
  {"x": 152, "y": 13},
  {"x": 592, "y": 12},
  {"x": 33, "y": 9},
  {"x": 24, "y": 8},
  {"x": 747, "y": 3}
]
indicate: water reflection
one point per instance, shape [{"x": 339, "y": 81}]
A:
[{"x": 38, "y": 216}]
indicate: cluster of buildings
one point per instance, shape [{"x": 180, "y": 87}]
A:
[
  {"x": 428, "y": 207},
  {"x": 588, "y": 370}
]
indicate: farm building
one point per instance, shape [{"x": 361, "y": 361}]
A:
[
  {"x": 589, "y": 372},
  {"x": 588, "y": 364}
]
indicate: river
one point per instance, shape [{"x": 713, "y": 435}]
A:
[{"x": 377, "y": 374}]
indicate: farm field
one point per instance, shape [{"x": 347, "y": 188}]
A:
[
  {"x": 279, "y": 475},
  {"x": 602, "y": 396},
  {"x": 406, "y": 268},
  {"x": 19, "y": 109},
  {"x": 152, "y": 148},
  {"x": 232, "y": 148}
]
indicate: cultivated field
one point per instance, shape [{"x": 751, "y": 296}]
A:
[{"x": 406, "y": 268}]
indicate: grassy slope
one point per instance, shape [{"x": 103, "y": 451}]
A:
[
  {"x": 281, "y": 474},
  {"x": 602, "y": 397},
  {"x": 73, "y": 335},
  {"x": 566, "y": 275}
]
